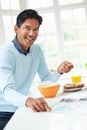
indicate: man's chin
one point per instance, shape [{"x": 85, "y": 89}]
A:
[{"x": 31, "y": 43}]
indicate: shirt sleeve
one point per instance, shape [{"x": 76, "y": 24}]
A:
[
  {"x": 15, "y": 98},
  {"x": 7, "y": 83}
]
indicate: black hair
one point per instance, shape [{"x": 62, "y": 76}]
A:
[{"x": 28, "y": 13}]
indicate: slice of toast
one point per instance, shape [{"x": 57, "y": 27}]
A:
[{"x": 72, "y": 85}]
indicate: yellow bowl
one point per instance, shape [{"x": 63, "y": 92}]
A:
[{"x": 49, "y": 90}]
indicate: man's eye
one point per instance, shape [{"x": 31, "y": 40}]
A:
[
  {"x": 27, "y": 28},
  {"x": 36, "y": 29}
]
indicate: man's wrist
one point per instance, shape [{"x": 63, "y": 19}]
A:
[{"x": 59, "y": 71}]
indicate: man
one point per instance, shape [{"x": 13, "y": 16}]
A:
[{"x": 20, "y": 60}]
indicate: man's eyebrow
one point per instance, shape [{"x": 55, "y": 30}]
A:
[{"x": 31, "y": 26}]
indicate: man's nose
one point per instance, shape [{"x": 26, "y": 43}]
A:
[{"x": 31, "y": 33}]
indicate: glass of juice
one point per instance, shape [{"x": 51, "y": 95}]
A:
[{"x": 76, "y": 79}]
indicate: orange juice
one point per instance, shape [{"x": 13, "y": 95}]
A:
[{"x": 76, "y": 79}]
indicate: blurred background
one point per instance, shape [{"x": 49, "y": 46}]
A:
[{"x": 63, "y": 33}]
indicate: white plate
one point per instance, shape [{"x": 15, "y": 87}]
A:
[{"x": 72, "y": 89}]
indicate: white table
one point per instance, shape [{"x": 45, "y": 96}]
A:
[
  {"x": 25, "y": 120},
  {"x": 64, "y": 116}
]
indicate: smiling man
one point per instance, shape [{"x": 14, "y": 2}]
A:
[{"x": 20, "y": 60}]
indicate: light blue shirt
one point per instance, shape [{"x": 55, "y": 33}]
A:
[{"x": 17, "y": 72}]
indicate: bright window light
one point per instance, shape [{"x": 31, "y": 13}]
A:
[
  {"x": 66, "y": 2},
  {"x": 40, "y": 3},
  {"x": 9, "y": 4},
  {"x": 9, "y": 22}
]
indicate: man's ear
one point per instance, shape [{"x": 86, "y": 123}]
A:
[{"x": 15, "y": 28}]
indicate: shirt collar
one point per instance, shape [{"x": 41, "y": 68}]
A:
[{"x": 19, "y": 48}]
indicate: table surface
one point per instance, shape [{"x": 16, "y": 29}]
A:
[
  {"x": 63, "y": 116},
  {"x": 69, "y": 112}
]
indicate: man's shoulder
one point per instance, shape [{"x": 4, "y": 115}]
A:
[{"x": 5, "y": 48}]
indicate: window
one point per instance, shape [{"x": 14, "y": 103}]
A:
[
  {"x": 74, "y": 26},
  {"x": 40, "y": 3},
  {"x": 9, "y": 22},
  {"x": 66, "y": 2},
  {"x": 8, "y": 4},
  {"x": 8, "y": 12}
]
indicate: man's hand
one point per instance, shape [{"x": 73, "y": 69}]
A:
[
  {"x": 37, "y": 104},
  {"x": 65, "y": 67}
]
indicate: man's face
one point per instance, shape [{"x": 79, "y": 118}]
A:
[{"x": 27, "y": 33}]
